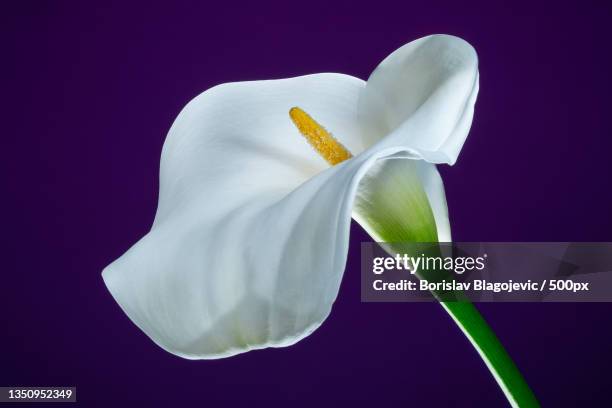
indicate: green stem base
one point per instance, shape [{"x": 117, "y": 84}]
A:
[{"x": 493, "y": 353}]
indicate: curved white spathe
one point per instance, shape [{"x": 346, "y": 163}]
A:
[
  {"x": 250, "y": 238},
  {"x": 422, "y": 96}
]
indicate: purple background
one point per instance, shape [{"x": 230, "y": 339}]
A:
[{"x": 90, "y": 92}]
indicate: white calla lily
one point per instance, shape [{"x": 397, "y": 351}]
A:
[{"x": 250, "y": 239}]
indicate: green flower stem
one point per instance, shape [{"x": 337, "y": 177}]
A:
[
  {"x": 493, "y": 353},
  {"x": 478, "y": 332}
]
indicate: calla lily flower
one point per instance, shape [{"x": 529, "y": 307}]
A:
[{"x": 250, "y": 239}]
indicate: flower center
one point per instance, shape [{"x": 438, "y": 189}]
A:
[{"x": 319, "y": 138}]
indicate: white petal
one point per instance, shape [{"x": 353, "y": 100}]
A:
[
  {"x": 434, "y": 188},
  {"x": 422, "y": 96},
  {"x": 250, "y": 238},
  {"x": 239, "y": 257}
]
